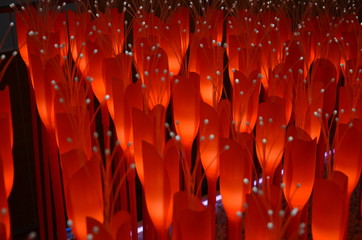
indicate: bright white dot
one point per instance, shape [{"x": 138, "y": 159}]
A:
[
  {"x": 178, "y": 138},
  {"x": 281, "y": 213},
  {"x": 32, "y": 235},
  {"x": 270, "y": 212},
  {"x": 239, "y": 214},
  {"x": 90, "y": 236},
  {"x": 211, "y": 136},
  {"x": 302, "y": 225},
  {"x": 69, "y": 223},
  {"x": 264, "y": 140},
  {"x": 107, "y": 151},
  {"x": 95, "y": 135},
  {"x": 270, "y": 225},
  {"x": 132, "y": 166},
  {"x": 206, "y": 121},
  {"x": 95, "y": 229},
  {"x": 4, "y": 211},
  {"x": 290, "y": 138},
  {"x": 226, "y": 147},
  {"x": 246, "y": 181},
  {"x": 294, "y": 212}
]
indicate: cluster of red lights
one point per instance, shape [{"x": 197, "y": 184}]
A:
[{"x": 231, "y": 92}]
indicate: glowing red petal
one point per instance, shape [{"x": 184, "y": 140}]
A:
[
  {"x": 224, "y": 111},
  {"x": 324, "y": 71},
  {"x": 142, "y": 131},
  {"x": 120, "y": 226},
  {"x": 94, "y": 69},
  {"x": 156, "y": 78},
  {"x": 192, "y": 220},
  {"x": 245, "y": 101},
  {"x": 347, "y": 157},
  {"x": 6, "y": 140},
  {"x": 186, "y": 93},
  {"x": 117, "y": 76},
  {"x": 329, "y": 199},
  {"x": 44, "y": 92},
  {"x": 172, "y": 164},
  {"x": 97, "y": 229},
  {"x": 209, "y": 148},
  {"x": 235, "y": 166},
  {"x": 270, "y": 135},
  {"x": 299, "y": 167},
  {"x": 84, "y": 197},
  {"x": 210, "y": 61},
  {"x": 175, "y": 38},
  {"x": 156, "y": 187}
]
